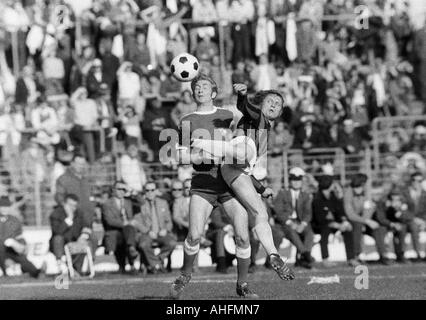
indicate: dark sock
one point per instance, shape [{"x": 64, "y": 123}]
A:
[
  {"x": 242, "y": 267},
  {"x": 188, "y": 263},
  {"x": 221, "y": 263}
]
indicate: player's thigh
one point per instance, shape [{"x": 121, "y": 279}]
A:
[
  {"x": 199, "y": 211},
  {"x": 248, "y": 196},
  {"x": 235, "y": 210}
]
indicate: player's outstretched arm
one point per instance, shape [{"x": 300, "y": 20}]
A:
[{"x": 243, "y": 105}]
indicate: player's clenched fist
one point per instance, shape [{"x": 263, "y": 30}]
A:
[{"x": 240, "y": 88}]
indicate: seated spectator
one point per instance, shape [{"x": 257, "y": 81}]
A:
[
  {"x": 180, "y": 210},
  {"x": 417, "y": 143},
  {"x": 350, "y": 138},
  {"x": 74, "y": 181},
  {"x": 362, "y": 215},
  {"x": 131, "y": 169},
  {"x": 293, "y": 213},
  {"x": 308, "y": 134},
  {"x": 154, "y": 224},
  {"x": 45, "y": 121},
  {"x": 219, "y": 226},
  {"x": 398, "y": 214},
  {"x": 68, "y": 225},
  {"x": 416, "y": 196},
  {"x": 12, "y": 243},
  {"x": 328, "y": 217},
  {"x": 119, "y": 225}
]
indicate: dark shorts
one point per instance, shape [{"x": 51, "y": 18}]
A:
[{"x": 211, "y": 187}]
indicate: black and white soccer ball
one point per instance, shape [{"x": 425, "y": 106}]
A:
[{"x": 185, "y": 67}]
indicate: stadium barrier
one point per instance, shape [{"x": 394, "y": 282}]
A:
[{"x": 37, "y": 239}]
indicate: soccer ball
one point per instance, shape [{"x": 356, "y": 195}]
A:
[{"x": 185, "y": 67}]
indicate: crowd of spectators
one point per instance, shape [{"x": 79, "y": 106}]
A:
[{"x": 91, "y": 78}]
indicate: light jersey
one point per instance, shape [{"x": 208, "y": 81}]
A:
[{"x": 205, "y": 125}]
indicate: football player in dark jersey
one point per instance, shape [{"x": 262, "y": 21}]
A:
[
  {"x": 251, "y": 141},
  {"x": 208, "y": 187}
]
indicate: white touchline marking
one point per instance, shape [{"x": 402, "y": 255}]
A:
[{"x": 197, "y": 279}]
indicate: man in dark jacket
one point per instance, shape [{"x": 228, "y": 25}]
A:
[
  {"x": 68, "y": 225},
  {"x": 73, "y": 181},
  {"x": 117, "y": 219},
  {"x": 416, "y": 198},
  {"x": 362, "y": 214},
  {"x": 328, "y": 217},
  {"x": 294, "y": 213},
  {"x": 395, "y": 214}
]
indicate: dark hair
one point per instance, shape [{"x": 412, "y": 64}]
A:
[
  {"x": 260, "y": 96},
  {"x": 325, "y": 182},
  {"x": 201, "y": 77},
  {"x": 71, "y": 196},
  {"x": 416, "y": 174},
  {"x": 358, "y": 180}
]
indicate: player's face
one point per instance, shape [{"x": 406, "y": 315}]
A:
[
  {"x": 203, "y": 92},
  {"x": 272, "y": 107}
]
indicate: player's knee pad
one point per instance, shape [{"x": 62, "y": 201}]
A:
[
  {"x": 243, "y": 253},
  {"x": 191, "y": 247}
]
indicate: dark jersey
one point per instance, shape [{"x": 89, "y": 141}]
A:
[
  {"x": 205, "y": 125},
  {"x": 253, "y": 124}
]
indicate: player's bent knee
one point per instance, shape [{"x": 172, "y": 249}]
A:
[
  {"x": 242, "y": 242},
  {"x": 191, "y": 246},
  {"x": 243, "y": 252}
]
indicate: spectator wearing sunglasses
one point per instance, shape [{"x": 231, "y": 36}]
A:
[
  {"x": 180, "y": 210},
  {"x": 118, "y": 222},
  {"x": 154, "y": 224}
]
